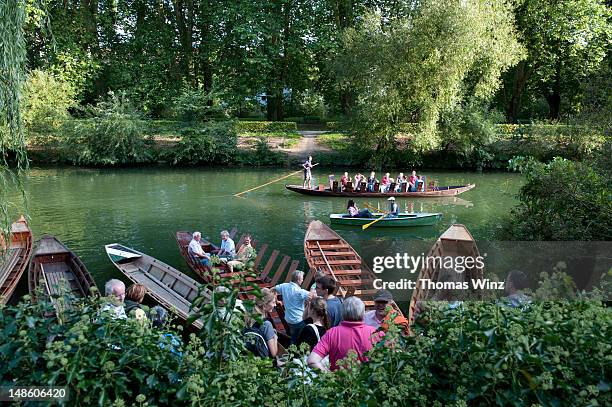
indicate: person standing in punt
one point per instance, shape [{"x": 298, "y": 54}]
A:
[{"x": 308, "y": 172}]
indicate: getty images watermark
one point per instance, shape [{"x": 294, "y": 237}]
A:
[{"x": 413, "y": 264}]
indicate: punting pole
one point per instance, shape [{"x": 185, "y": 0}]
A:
[{"x": 271, "y": 182}]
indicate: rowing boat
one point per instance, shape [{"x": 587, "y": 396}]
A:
[
  {"x": 433, "y": 192},
  {"x": 15, "y": 258},
  {"x": 455, "y": 242},
  {"x": 57, "y": 271},
  {"x": 169, "y": 287},
  {"x": 328, "y": 252},
  {"x": 403, "y": 219},
  {"x": 271, "y": 268}
]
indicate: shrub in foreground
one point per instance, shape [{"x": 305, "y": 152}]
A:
[{"x": 552, "y": 353}]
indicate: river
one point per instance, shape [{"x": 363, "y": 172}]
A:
[{"x": 144, "y": 207}]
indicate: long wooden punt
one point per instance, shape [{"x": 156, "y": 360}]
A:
[
  {"x": 59, "y": 270},
  {"x": 169, "y": 287},
  {"x": 456, "y": 241},
  {"x": 270, "y": 266},
  {"x": 14, "y": 258},
  {"x": 433, "y": 192},
  {"x": 327, "y": 251}
]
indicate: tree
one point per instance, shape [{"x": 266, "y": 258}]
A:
[
  {"x": 410, "y": 69},
  {"x": 12, "y": 59},
  {"x": 567, "y": 40}
]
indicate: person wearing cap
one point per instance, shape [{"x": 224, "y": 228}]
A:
[
  {"x": 381, "y": 316},
  {"x": 393, "y": 208}
]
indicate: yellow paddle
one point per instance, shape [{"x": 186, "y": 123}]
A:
[{"x": 367, "y": 225}]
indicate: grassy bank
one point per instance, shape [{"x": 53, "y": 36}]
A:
[{"x": 90, "y": 141}]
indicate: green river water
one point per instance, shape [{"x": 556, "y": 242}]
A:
[{"x": 143, "y": 208}]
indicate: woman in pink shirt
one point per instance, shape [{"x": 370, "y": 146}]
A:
[{"x": 352, "y": 335}]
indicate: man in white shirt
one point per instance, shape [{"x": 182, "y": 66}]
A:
[
  {"x": 115, "y": 291},
  {"x": 227, "y": 251},
  {"x": 195, "y": 249}
]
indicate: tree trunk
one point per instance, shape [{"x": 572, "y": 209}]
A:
[
  {"x": 553, "y": 97},
  {"x": 513, "y": 108},
  {"x": 184, "y": 22}
]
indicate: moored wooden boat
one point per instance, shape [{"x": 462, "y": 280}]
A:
[
  {"x": 271, "y": 268},
  {"x": 403, "y": 219},
  {"x": 327, "y": 251},
  {"x": 59, "y": 270},
  {"x": 456, "y": 241},
  {"x": 15, "y": 257},
  {"x": 169, "y": 287},
  {"x": 433, "y": 192}
]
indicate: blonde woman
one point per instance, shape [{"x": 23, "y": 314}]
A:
[{"x": 265, "y": 330}]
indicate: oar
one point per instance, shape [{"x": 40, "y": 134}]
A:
[
  {"x": 271, "y": 182},
  {"x": 367, "y": 225}
]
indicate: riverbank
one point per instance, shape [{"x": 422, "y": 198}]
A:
[{"x": 244, "y": 143}]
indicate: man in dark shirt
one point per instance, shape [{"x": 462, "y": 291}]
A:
[{"x": 325, "y": 289}]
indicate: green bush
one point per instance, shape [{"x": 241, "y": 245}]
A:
[
  {"x": 114, "y": 135},
  {"x": 198, "y": 105},
  {"x": 47, "y": 99},
  {"x": 262, "y": 155},
  {"x": 215, "y": 143},
  {"x": 561, "y": 200},
  {"x": 244, "y": 126},
  {"x": 552, "y": 353}
]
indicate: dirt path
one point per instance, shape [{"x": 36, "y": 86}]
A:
[{"x": 307, "y": 144}]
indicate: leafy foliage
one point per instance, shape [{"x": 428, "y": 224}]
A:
[
  {"x": 114, "y": 135},
  {"x": 47, "y": 100},
  {"x": 198, "y": 105},
  {"x": 561, "y": 200},
  {"x": 478, "y": 354},
  {"x": 213, "y": 144},
  {"x": 412, "y": 69}
]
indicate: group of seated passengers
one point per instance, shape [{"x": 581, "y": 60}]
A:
[
  {"x": 226, "y": 252},
  {"x": 414, "y": 182}
]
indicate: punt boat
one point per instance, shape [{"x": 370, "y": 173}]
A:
[{"x": 14, "y": 258}]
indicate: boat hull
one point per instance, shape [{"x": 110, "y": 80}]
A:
[
  {"x": 166, "y": 285},
  {"x": 438, "y": 191},
  {"x": 57, "y": 271},
  {"x": 16, "y": 258},
  {"x": 403, "y": 220}
]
